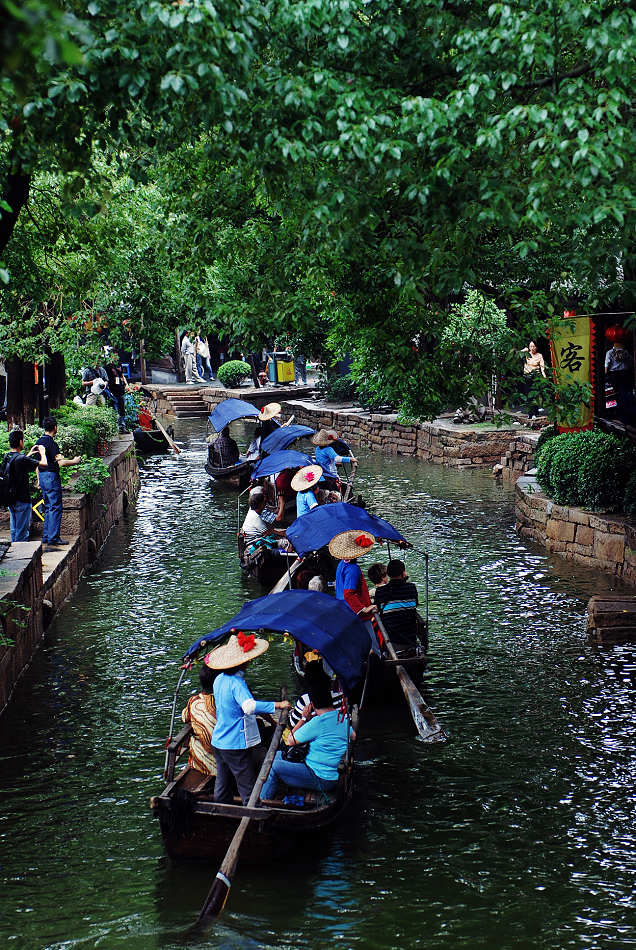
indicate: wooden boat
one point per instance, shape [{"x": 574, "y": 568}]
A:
[
  {"x": 194, "y": 826},
  {"x": 232, "y": 476},
  {"x": 266, "y": 565},
  {"x": 150, "y": 441}
]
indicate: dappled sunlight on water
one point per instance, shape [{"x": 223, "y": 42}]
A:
[{"x": 517, "y": 833}]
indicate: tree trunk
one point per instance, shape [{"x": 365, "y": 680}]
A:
[{"x": 16, "y": 194}]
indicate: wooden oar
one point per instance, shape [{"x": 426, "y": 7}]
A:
[
  {"x": 171, "y": 442},
  {"x": 217, "y": 896},
  {"x": 349, "y": 485},
  {"x": 423, "y": 716}
]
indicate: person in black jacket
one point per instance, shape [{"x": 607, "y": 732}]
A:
[
  {"x": 397, "y": 601},
  {"x": 17, "y": 467}
]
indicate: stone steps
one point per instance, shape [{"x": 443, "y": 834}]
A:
[{"x": 186, "y": 403}]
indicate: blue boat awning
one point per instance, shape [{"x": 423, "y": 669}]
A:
[
  {"x": 318, "y": 620},
  {"x": 229, "y": 411},
  {"x": 279, "y": 461},
  {"x": 282, "y": 438},
  {"x": 315, "y": 529}
]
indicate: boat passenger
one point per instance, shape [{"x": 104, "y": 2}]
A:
[
  {"x": 327, "y": 457},
  {"x": 322, "y": 727},
  {"x": 314, "y": 674},
  {"x": 224, "y": 451},
  {"x": 397, "y": 602},
  {"x": 255, "y": 529},
  {"x": 304, "y": 482},
  {"x": 378, "y": 576},
  {"x": 284, "y": 491},
  {"x": 236, "y": 730},
  {"x": 201, "y": 712},
  {"x": 351, "y": 586}
]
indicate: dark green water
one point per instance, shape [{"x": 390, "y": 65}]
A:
[{"x": 518, "y": 833}]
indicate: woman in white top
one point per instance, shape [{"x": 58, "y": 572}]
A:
[{"x": 534, "y": 364}]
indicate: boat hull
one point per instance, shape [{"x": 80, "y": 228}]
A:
[
  {"x": 150, "y": 441},
  {"x": 235, "y": 476}
]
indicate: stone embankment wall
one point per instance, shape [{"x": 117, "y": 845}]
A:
[
  {"x": 604, "y": 542},
  {"x": 32, "y": 589}
]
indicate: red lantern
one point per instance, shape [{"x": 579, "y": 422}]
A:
[{"x": 616, "y": 333}]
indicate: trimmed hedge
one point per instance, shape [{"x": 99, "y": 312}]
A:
[
  {"x": 587, "y": 469},
  {"x": 629, "y": 499},
  {"x": 233, "y": 373}
]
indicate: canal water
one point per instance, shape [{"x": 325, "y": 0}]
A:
[{"x": 517, "y": 833}]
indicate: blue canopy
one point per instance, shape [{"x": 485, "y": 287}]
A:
[
  {"x": 275, "y": 463},
  {"x": 230, "y": 410},
  {"x": 282, "y": 438},
  {"x": 315, "y": 529},
  {"x": 317, "y": 620}
]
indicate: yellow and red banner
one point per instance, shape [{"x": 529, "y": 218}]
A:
[{"x": 572, "y": 348}]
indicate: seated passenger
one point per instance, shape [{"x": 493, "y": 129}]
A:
[
  {"x": 350, "y": 584},
  {"x": 256, "y": 530},
  {"x": 201, "y": 712},
  {"x": 327, "y": 736},
  {"x": 378, "y": 576},
  {"x": 397, "y": 601},
  {"x": 315, "y": 675},
  {"x": 304, "y": 482},
  {"x": 223, "y": 452},
  {"x": 284, "y": 491}
]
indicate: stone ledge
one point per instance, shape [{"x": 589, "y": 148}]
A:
[{"x": 603, "y": 542}]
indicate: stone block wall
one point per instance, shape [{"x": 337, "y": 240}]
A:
[
  {"x": 519, "y": 456},
  {"x": 88, "y": 520},
  {"x": 604, "y": 542}
]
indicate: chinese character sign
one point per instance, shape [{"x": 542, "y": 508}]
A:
[{"x": 572, "y": 362}]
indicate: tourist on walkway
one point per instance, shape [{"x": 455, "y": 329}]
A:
[
  {"x": 117, "y": 387},
  {"x": 16, "y": 468},
  {"x": 236, "y": 731},
  {"x": 189, "y": 363},
  {"x": 534, "y": 363},
  {"x": 203, "y": 356},
  {"x": 51, "y": 485}
]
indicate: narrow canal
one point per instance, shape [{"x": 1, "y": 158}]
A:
[{"x": 518, "y": 833}]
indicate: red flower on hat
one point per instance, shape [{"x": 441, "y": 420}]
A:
[
  {"x": 246, "y": 643},
  {"x": 363, "y": 541},
  {"x": 262, "y": 408},
  {"x": 309, "y": 476},
  {"x": 331, "y": 436}
]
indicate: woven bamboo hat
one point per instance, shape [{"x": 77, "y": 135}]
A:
[
  {"x": 324, "y": 437},
  {"x": 351, "y": 544},
  {"x": 238, "y": 650},
  {"x": 269, "y": 411},
  {"x": 306, "y": 477}
]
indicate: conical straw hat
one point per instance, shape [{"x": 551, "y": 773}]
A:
[
  {"x": 324, "y": 437},
  {"x": 351, "y": 544},
  {"x": 307, "y": 477},
  {"x": 269, "y": 411},
  {"x": 238, "y": 650}
]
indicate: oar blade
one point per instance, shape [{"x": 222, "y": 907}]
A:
[{"x": 215, "y": 901}]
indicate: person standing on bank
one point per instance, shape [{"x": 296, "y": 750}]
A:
[
  {"x": 51, "y": 485},
  {"x": 236, "y": 731},
  {"x": 189, "y": 362},
  {"x": 16, "y": 468}
]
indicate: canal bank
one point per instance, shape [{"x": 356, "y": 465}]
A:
[
  {"x": 512, "y": 835},
  {"x": 34, "y": 583}
]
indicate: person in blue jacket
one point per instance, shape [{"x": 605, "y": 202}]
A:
[
  {"x": 328, "y": 458},
  {"x": 305, "y": 482},
  {"x": 236, "y": 730}
]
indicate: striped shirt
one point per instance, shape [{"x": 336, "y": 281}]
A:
[{"x": 397, "y": 601}]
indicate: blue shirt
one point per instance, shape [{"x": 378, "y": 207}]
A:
[
  {"x": 326, "y": 458},
  {"x": 327, "y": 740},
  {"x": 235, "y": 729},
  {"x": 348, "y": 577},
  {"x": 305, "y": 501}
]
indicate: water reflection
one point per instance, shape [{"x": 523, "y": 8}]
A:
[{"x": 517, "y": 833}]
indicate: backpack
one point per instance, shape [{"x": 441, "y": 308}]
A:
[{"x": 8, "y": 488}]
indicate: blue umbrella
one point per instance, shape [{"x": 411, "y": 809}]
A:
[
  {"x": 230, "y": 410},
  {"x": 279, "y": 461},
  {"x": 282, "y": 438},
  {"x": 315, "y": 529}
]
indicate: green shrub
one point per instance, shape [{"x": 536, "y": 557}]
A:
[
  {"x": 629, "y": 498},
  {"x": 340, "y": 389},
  {"x": 546, "y": 434},
  {"x": 232, "y": 373},
  {"x": 590, "y": 469},
  {"x": 75, "y": 440}
]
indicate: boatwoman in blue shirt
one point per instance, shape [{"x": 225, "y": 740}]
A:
[
  {"x": 326, "y": 455},
  {"x": 304, "y": 482},
  {"x": 236, "y": 731}
]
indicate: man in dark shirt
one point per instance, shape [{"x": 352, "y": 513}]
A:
[
  {"x": 397, "y": 602},
  {"x": 117, "y": 389},
  {"x": 52, "y": 486},
  {"x": 224, "y": 451},
  {"x": 17, "y": 468}
]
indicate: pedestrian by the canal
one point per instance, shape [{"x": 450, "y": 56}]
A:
[
  {"x": 51, "y": 485},
  {"x": 16, "y": 468},
  {"x": 203, "y": 356},
  {"x": 117, "y": 387},
  {"x": 300, "y": 367},
  {"x": 189, "y": 363},
  {"x": 236, "y": 732}
]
